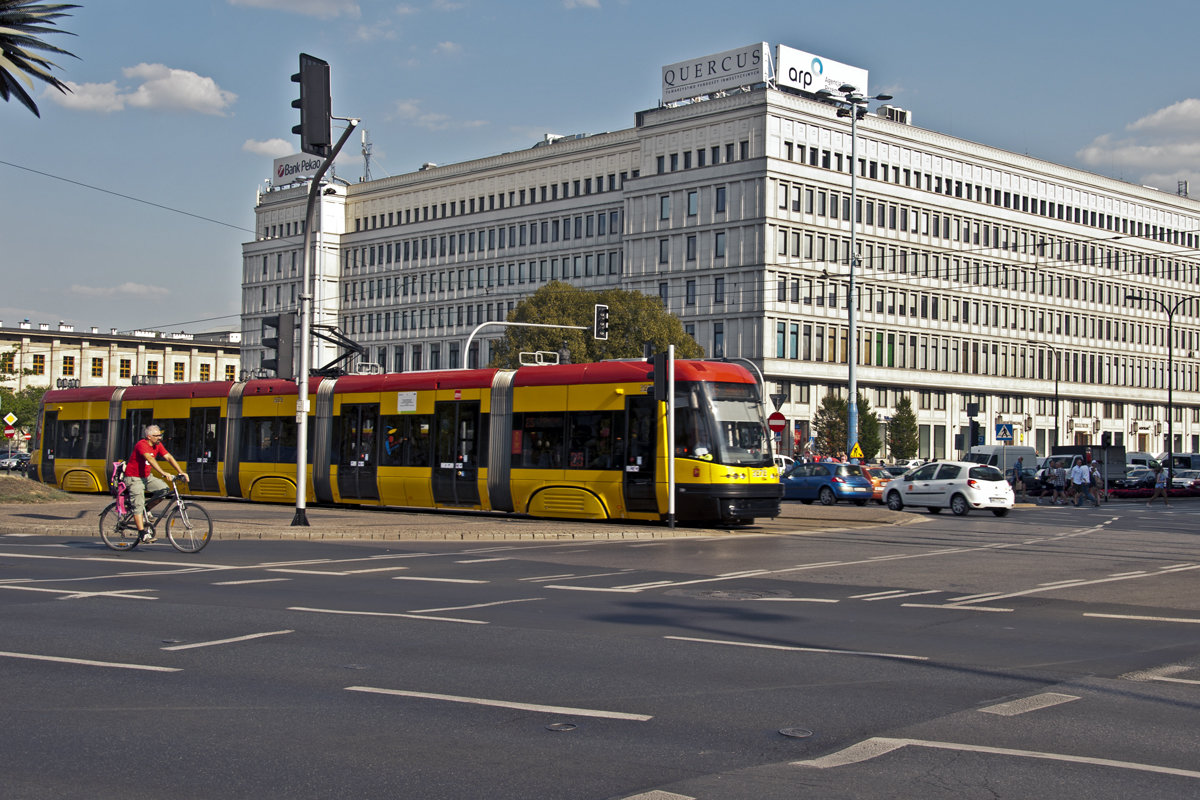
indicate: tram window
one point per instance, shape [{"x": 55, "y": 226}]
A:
[
  {"x": 97, "y": 437},
  {"x": 594, "y": 436},
  {"x": 72, "y": 434},
  {"x": 691, "y": 434},
  {"x": 538, "y": 440},
  {"x": 174, "y": 435},
  {"x": 406, "y": 440},
  {"x": 270, "y": 440}
]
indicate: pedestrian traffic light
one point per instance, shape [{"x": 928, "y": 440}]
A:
[
  {"x": 314, "y": 105},
  {"x": 976, "y": 436},
  {"x": 600, "y": 323},
  {"x": 279, "y": 339}
]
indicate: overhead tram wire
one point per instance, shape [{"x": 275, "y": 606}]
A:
[{"x": 126, "y": 196}]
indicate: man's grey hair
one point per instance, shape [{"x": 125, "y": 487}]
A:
[{"x": 152, "y": 430}]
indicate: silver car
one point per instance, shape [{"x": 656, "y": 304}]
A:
[{"x": 957, "y": 485}]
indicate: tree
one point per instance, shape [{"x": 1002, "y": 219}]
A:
[
  {"x": 634, "y": 319},
  {"x": 868, "y": 430},
  {"x": 23, "y": 404},
  {"x": 20, "y": 22},
  {"x": 831, "y": 424},
  {"x": 902, "y": 433}
]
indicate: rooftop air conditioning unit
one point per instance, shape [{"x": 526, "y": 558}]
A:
[{"x": 901, "y": 115}]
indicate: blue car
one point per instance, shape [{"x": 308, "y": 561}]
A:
[{"x": 828, "y": 482}]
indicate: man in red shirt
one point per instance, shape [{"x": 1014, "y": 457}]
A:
[{"x": 139, "y": 475}]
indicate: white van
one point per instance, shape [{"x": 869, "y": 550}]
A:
[
  {"x": 1002, "y": 457},
  {"x": 1141, "y": 459}
]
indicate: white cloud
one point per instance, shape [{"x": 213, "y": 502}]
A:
[
  {"x": 271, "y": 148},
  {"x": 446, "y": 5},
  {"x": 160, "y": 87},
  {"x": 375, "y": 31},
  {"x": 322, "y": 9},
  {"x": 581, "y": 3},
  {"x": 411, "y": 111},
  {"x": 1160, "y": 149},
  {"x": 448, "y": 48},
  {"x": 140, "y": 290}
]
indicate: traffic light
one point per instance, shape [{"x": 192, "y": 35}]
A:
[
  {"x": 279, "y": 338},
  {"x": 600, "y": 323},
  {"x": 976, "y": 436},
  {"x": 314, "y": 103}
]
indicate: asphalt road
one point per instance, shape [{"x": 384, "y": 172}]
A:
[{"x": 1053, "y": 653}]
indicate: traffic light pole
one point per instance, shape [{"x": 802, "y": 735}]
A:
[{"x": 306, "y": 314}]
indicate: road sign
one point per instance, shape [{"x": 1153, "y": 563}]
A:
[
  {"x": 10, "y": 431},
  {"x": 856, "y": 452},
  {"x": 776, "y": 422},
  {"x": 778, "y": 399},
  {"x": 1004, "y": 432},
  {"x": 10, "y": 418}
]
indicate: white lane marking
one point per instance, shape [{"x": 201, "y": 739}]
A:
[
  {"x": 796, "y": 649},
  {"x": 480, "y": 560},
  {"x": 876, "y": 594},
  {"x": 73, "y": 594},
  {"x": 124, "y": 559},
  {"x": 575, "y": 712},
  {"x": 549, "y": 577},
  {"x": 792, "y": 600},
  {"x": 386, "y": 614},
  {"x": 338, "y": 572},
  {"x": 1094, "y": 582},
  {"x": 88, "y": 662},
  {"x": 878, "y": 746},
  {"x": 1162, "y": 674},
  {"x": 1191, "y": 620},
  {"x": 902, "y": 594},
  {"x": 1026, "y": 704},
  {"x": 475, "y": 605},
  {"x": 245, "y": 638},
  {"x": 956, "y": 607},
  {"x": 579, "y": 577},
  {"x": 1125, "y": 574},
  {"x": 251, "y": 580},
  {"x": 436, "y": 580},
  {"x": 591, "y": 589}
]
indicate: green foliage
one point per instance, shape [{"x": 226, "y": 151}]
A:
[
  {"x": 634, "y": 319},
  {"x": 831, "y": 424},
  {"x": 902, "y": 432},
  {"x": 20, "y": 23},
  {"x": 24, "y": 404}
]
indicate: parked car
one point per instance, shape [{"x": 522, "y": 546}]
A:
[
  {"x": 15, "y": 463},
  {"x": 957, "y": 485},
  {"x": 783, "y": 462},
  {"x": 878, "y": 477},
  {"x": 909, "y": 463},
  {"x": 895, "y": 470},
  {"x": 1185, "y": 478},
  {"x": 827, "y": 481}
]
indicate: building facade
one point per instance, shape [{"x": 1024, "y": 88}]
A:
[
  {"x": 984, "y": 278},
  {"x": 58, "y": 356}
]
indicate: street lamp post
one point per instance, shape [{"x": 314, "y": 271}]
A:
[
  {"x": 852, "y": 104},
  {"x": 1057, "y": 367},
  {"x": 1170, "y": 312}
]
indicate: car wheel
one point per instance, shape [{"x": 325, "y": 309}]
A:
[
  {"x": 860, "y": 502},
  {"x": 1000, "y": 512},
  {"x": 826, "y": 496},
  {"x": 894, "y": 502},
  {"x": 935, "y": 509},
  {"x": 959, "y": 505}
]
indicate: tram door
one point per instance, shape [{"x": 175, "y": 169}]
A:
[
  {"x": 640, "y": 454},
  {"x": 204, "y": 445},
  {"x": 136, "y": 420},
  {"x": 49, "y": 442},
  {"x": 358, "y": 450},
  {"x": 456, "y": 453}
]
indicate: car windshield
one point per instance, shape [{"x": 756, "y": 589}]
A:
[
  {"x": 849, "y": 471},
  {"x": 985, "y": 473},
  {"x": 740, "y": 425}
]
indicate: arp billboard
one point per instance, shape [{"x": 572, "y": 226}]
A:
[{"x": 811, "y": 73}]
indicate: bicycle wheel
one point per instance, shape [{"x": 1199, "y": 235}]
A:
[
  {"x": 188, "y": 527},
  {"x": 118, "y": 530}
]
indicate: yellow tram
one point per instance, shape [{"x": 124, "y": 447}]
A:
[{"x": 577, "y": 441}]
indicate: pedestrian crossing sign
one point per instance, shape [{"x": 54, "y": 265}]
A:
[{"x": 1004, "y": 432}]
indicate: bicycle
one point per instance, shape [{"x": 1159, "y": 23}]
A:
[{"x": 188, "y": 525}]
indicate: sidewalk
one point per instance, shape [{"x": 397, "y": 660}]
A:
[{"x": 234, "y": 519}]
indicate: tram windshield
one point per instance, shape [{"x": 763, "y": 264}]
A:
[{"x": 722, "y": 422}]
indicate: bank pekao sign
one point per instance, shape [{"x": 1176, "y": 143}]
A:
[
  {"x": 729, "y": 70},
  {"x": 294, "y": 168},
  {"x": 810, "y": 73}
]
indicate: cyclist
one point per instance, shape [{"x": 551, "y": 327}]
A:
[{"x": 139, "y": 475}]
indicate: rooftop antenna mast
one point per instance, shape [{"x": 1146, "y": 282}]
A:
[{"x": 366, "y": 154}]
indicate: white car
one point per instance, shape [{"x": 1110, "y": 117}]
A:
[
  {"x": 957, "y": 485},
  {"x": 783, "y": 462}
]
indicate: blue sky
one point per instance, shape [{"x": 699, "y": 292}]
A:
[{"x": 179, "y": 108}]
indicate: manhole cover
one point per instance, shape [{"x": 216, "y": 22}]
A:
[{"x": 796, "y": 733}]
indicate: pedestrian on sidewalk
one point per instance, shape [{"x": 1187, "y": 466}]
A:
[
  {"x": 1097, "y": 484},
  {"x": 1081, "y": 481}
]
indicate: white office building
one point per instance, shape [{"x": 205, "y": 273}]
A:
[{"x": 983, "y": 277}]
